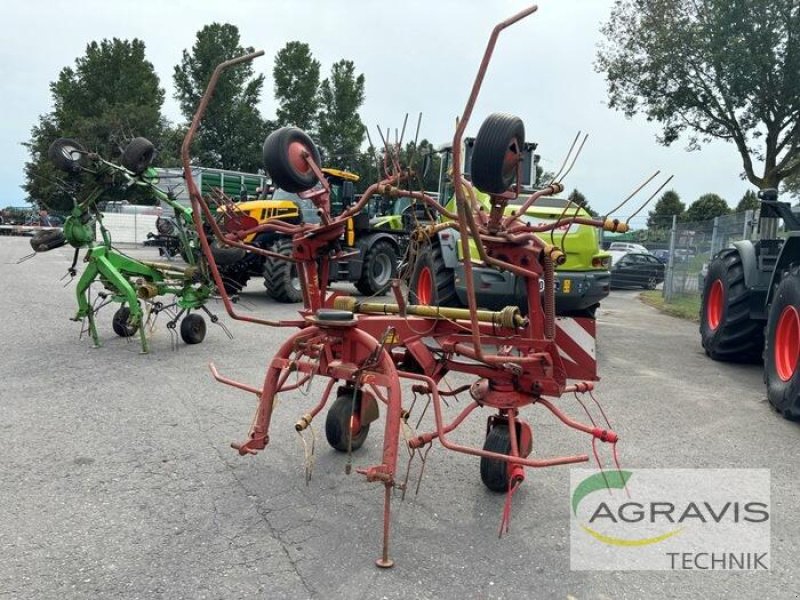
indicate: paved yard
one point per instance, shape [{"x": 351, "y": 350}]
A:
[{"x": 117, "y": 479}]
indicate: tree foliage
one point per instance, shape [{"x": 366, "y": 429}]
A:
[
  {"x": 706, "y": 207},
  {"x": 341, "y": 130},
  {"x": 296, "y": 75},
  {"x": 232, "y": 131},
  {"x": 748, "y": 202},
  {"x": 577, "y": 197},
  {"x": 668, "y": 205},
  {"x": 111, "y": 95},
  {"x": 717, "y": 69}
]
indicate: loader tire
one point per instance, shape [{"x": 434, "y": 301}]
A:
[
  {"x": 782, "y": 349},
  {"x": 281, "y": 277},
  {"x": 727, "y": 331}
]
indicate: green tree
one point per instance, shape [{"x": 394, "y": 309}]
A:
[
  {"x": 748, "y": 202},
  {"x": 232, "y": 131},
  {"x": 576, "y": 197},
  {"x": 341, "y": 130},
  {"x": 668, "y": 205},
  {"x": 717, "y": 69},
  {"x": 111, "y": 95},
  {"x": 706, "y": 207},
  {"x": 296, "y": 75}
]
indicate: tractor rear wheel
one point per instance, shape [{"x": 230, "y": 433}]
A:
[
  {"x": 498, "y": 150},
  {"x": 378, "y": 270},
  {"x": 284, "y": 159},
  {"x": 343, "y": 422},
  {"x": 494, "y": 473},
  {"x": 138, "y": 155},
  {"x": 727, "y": 331},
  {"x": 782, "y": 350},
  {"x": 281, "y": 277},
  {"x": 432, "y": 283}
]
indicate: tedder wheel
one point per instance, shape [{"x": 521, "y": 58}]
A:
[
  {"x": 342, "y": 422},
  {"x": 280, "y": 276},
  {"x": 497, "y": 152},
  {"x": 782, "y": 350},
  {"x": 193, "y": 329},
  {"x": 380, "y": 267},
  {"x": 43, "y": 241},
  {"x": 726, "y": 329},
  {"x": 66, "y": 154},
  {"x": 138, "y": 155},
  {"x": 120, "y": 323},
  {"x": 494, "y": 473},
  {"x": 432, "y": 283},
  {"x": 284, "y": 160}
]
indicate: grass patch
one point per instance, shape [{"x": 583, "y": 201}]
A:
[{"x": 684, "y": 307}]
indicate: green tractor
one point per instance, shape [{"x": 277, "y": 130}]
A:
[
  {"x": 751, "y": 303},
  {"x": 133, "y": 284},
  {"x": 437, "y": 272}
]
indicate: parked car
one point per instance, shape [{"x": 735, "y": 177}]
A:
[
  {"x": 635, "y": 269},
  {"x": 661, "y": 255},
  {"x": 628, "y": 247}
]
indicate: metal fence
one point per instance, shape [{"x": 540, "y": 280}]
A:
[{"x": 692, "y": 245}]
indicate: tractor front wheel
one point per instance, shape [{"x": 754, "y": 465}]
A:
[
  {"x": 727, "y": 331},
  {"x": 378, "y": 270},
  {"x": 432, "y": 283},
  {"x": 782, "y": 350}
]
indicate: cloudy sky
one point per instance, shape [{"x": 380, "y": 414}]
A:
[{"x": 417, "y": 56}]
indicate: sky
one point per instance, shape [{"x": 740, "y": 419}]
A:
[{"x": 416, "y": 56}]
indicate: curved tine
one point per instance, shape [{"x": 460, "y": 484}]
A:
[
  {"x": 561, "y": 216},
  {"x": 575, "y": 158},
  {"x": 638, "y": 210},
  {"x": 386, "y": 150},
  {"x": 566, "y": 158},
  {"x": 633, "y": 193}
]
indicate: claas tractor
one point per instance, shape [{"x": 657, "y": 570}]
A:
[{"x": 751, "y": 303}]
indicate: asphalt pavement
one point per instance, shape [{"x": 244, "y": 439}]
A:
[{"x": 117, "y": 479}]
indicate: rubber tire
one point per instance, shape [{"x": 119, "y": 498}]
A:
[
  {"x": 138, "y": 155},
  {"x": 783, "y": 395},
  {"x": 234, "y": 282},
  {"x": 337, "y": 422},
  {"x": 444, "y": 290},
  {"x": 738, "y": 338},
  {"x": 652, "y": 283},
  {"x": 494, "y": 473},
  {"x": 278, "y": 162},
  {"x": 278, "y": 275},
  {"x": 120, "y": 323},
  {"x": 61, "y": 161},
  {"x": 367, "y": 284},
  {"x": 43, "y": 241},
  {"x": 499, "y": 134},
  {"x": 193, "y": 329}
]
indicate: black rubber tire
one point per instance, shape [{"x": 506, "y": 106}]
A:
[
  {"x": 227, "y": 256},
  {"x": 337, "y": 422},
  {"x": 494, "y": 473},
  {"x": 138, "y": 155},
  {"x": 279, "y": 275},
  {"x": 42, "y": 241},
  {"x": 737, "y": 338},
  {"x": 120, "y": 323},
  {"x": 235, "y": 281},
  {"x": 383, "y": 255},
  {"x": 193, "y": 329},
  {"x": 652, "y": 283},
  {"x": 497, "y": 152},
  {"x": 444, "y": 284},
  {"x": 783, "y": 395},
  {"x": 66, "y": 154},
  {"x": 278, "y": 159}
]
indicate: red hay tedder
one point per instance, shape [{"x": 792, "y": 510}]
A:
[{"x": 369, "y": 348}]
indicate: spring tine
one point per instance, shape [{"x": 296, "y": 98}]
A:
[
  {"x": 574, "y": 160},
  {"x": 424, "y": 458},
  {"x": 638, "y": 210},
  {"x": 633, "y": 193},
  {"x": 566, "y": 158}
]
